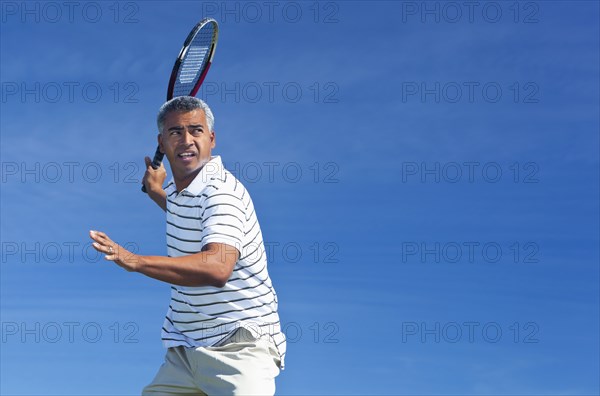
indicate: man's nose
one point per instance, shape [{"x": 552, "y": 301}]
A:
[{"x": 188, "y": 138}]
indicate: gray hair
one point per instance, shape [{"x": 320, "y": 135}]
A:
[{"x": 184, "y": 104}]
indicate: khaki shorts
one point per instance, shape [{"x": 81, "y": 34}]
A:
[{"x": 241, "y": 364}]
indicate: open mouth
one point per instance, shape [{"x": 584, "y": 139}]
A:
[{"x": 186, "y": 156}]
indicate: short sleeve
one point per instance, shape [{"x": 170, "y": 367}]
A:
[{"x": 223, "y": 219}]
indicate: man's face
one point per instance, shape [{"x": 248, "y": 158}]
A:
[{"x": 187, "y": 143}]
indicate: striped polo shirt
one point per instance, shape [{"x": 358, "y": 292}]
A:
[{"x": 216, "y": 208}]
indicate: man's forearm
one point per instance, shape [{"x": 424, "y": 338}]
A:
[
  {"x": 153, "y": 181},
  {"x": 212, "y": 267},
  {"x": 160, "y": 197}
]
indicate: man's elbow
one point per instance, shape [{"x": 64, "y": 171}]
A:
[
  {"x": 219, "y": 281},
  {"x": 221, "y": 277},
  {"x": 203, "y": 280},
  {"x": 221, "y": 260},
  {"x": 219, "y": 284}
]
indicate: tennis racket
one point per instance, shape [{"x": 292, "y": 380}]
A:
[{"x": 191, "y": 67}]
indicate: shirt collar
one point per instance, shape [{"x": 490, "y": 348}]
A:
[{"x": 211, "y": 170}]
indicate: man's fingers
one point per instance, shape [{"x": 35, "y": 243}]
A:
[
  {"x": 148, "y": 162},
  {"x": 103, "y": 248},
  {"x": 98, "y": 234},
  {"x": 94, "y": 235},
  {"x": 102, "y": 240},
  {"x": 110, "y": 253}
]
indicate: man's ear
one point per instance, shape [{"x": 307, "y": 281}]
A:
[
  {"x": 160, "y": 146},
  {"x": 213, "y": 139}
]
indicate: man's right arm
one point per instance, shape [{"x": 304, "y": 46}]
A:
[{"x": 153, "y": 180}]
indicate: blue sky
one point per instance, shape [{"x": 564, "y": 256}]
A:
[{"x": 425, "y": 175}]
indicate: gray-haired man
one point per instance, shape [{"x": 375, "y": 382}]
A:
[{"x": 222, "y": 329}]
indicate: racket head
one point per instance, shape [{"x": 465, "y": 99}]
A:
[{"x": 194, "y": 59}]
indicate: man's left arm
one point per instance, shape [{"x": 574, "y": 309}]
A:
[{"x": 210, "y": 267}]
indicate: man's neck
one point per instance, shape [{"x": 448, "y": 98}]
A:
[{"x": 184, "y": 182}]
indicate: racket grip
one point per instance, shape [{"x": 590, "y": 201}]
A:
[{"x": 156, "y": 161}]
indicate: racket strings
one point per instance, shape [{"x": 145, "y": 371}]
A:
[
  {"x": 192, "y": 64},
  {"x": 195, "y": 60}
]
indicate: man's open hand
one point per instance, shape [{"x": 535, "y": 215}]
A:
[{"x": 113, "y": 251}]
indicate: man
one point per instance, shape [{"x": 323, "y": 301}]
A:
[{"x": 222, "y": 330}]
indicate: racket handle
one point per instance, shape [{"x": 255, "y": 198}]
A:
[{"x": 158, "y": 157}]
